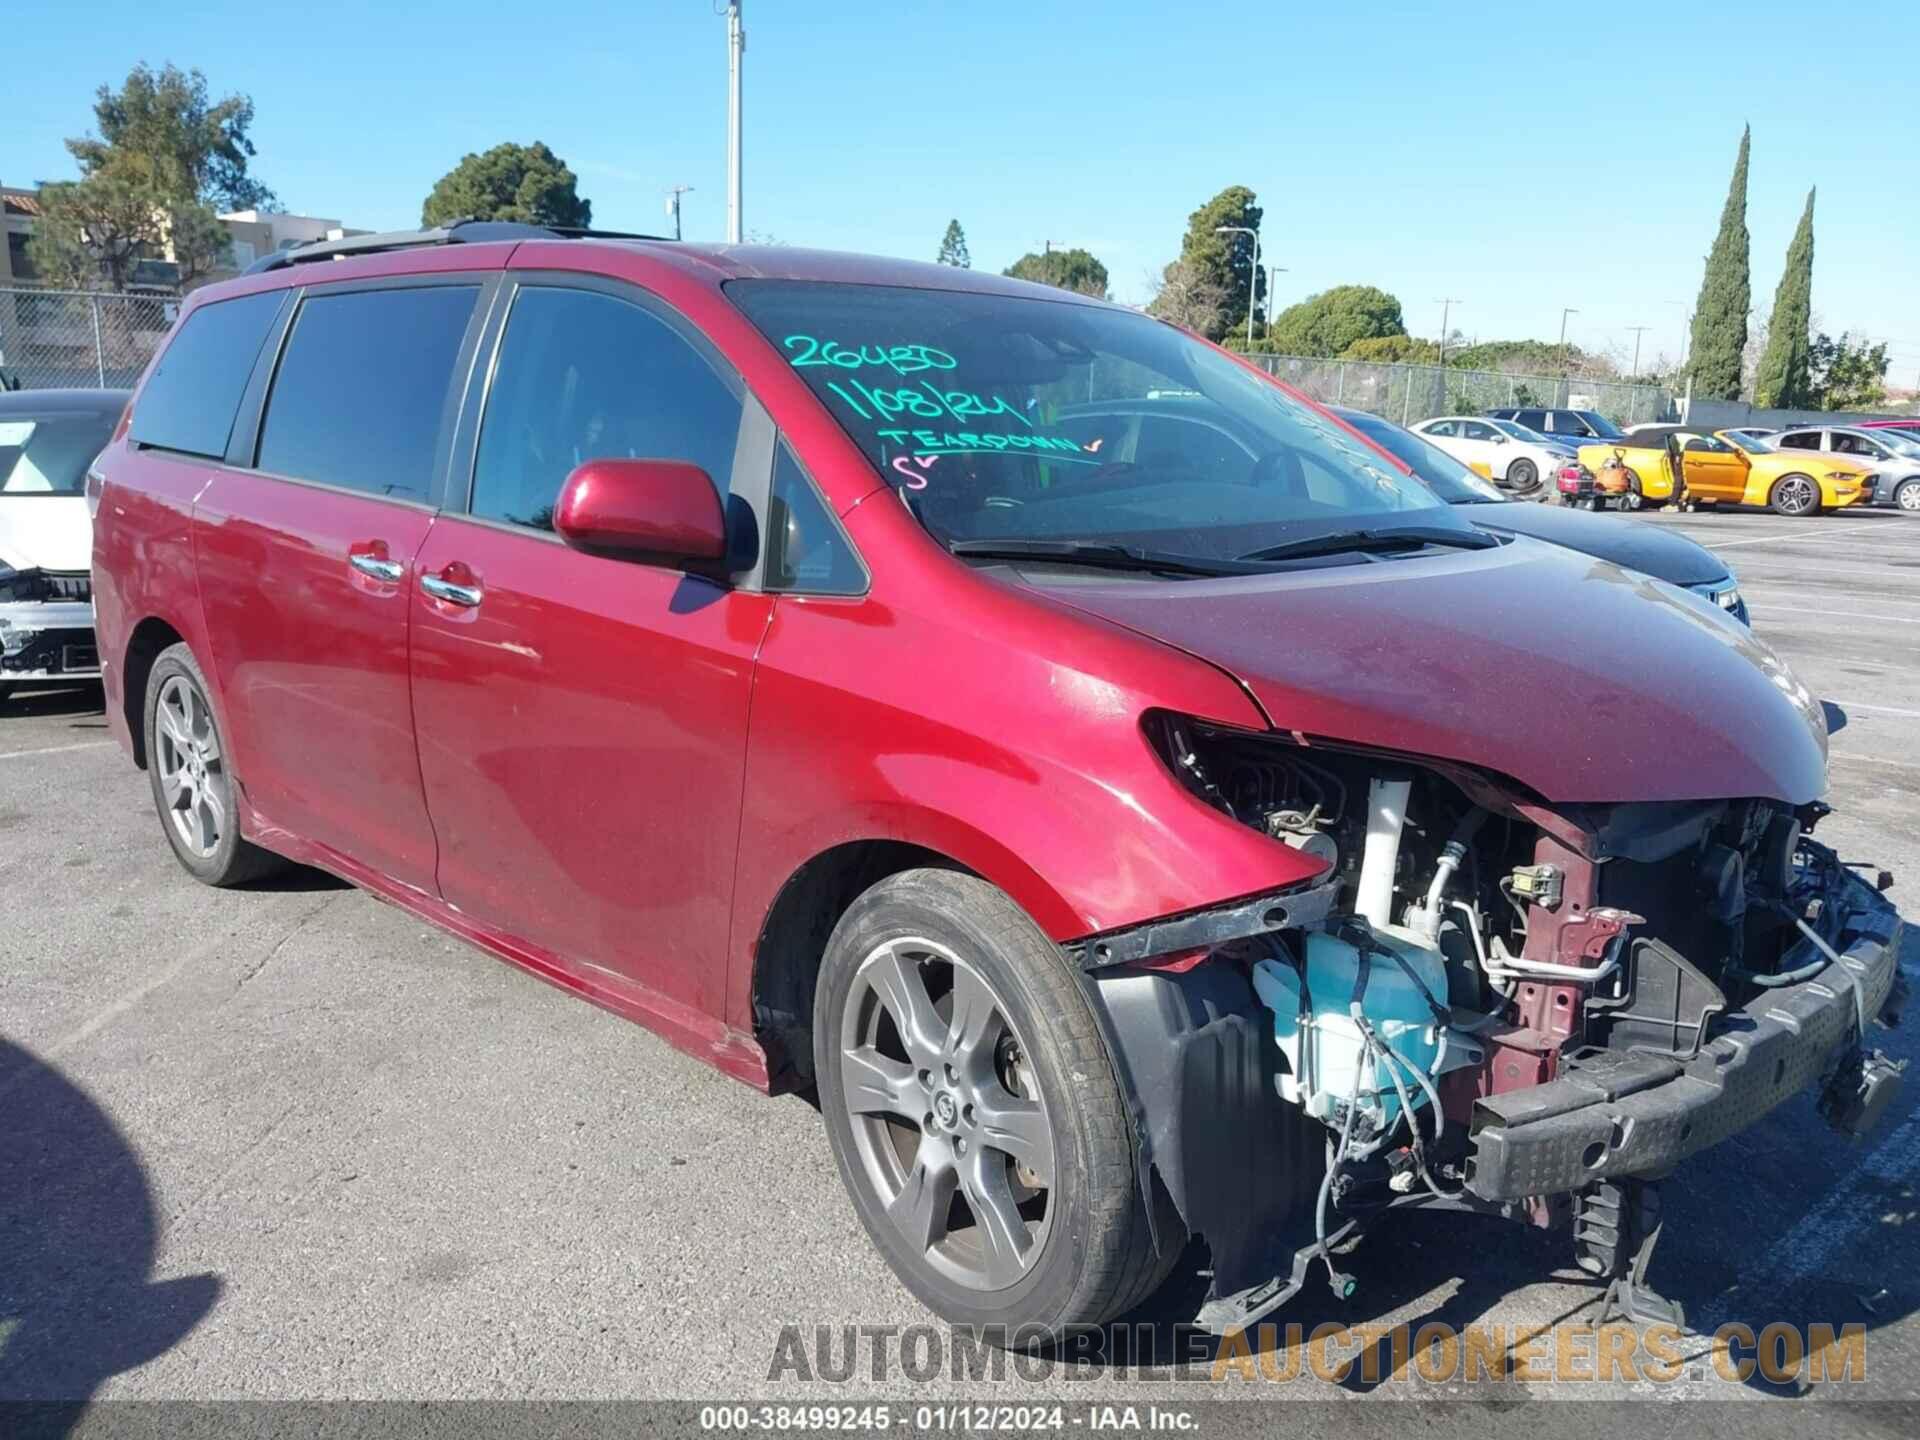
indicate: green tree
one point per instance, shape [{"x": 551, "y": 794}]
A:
[
  {"x": 192, "y": 146},
  {"x": 1784, "y": 378},
  {"x": 1393, "y": 350},
  {"x": 94, "y": 231},
  {"x": 1847, "y": 374},
  {"x": 953, "y": 247},
  {"x": 1224, "y": 263},
  {"x": 1726, "y": 294},
  {"x": 526, "y": 183},
  {"x": 1074, "y": 270},
  {"x": 1330, "y": 322},
  {"x": 166, "y": 155}
]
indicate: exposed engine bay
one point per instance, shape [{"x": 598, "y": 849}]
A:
[{"x": 1483, "y": 1003}]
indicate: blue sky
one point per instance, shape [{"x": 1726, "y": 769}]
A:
[{"x": 1519, "y": 160}]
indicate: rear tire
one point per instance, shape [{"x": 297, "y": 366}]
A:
[
  {"x": 1795, "y": 496},
  {"x": 1906, "y": 496},
  {"x": 989, "y": 1156},
  {"x": 193, "y": 786},
  {"x": 1634, "y": 497},
  {"x": 6, "y": 693}
]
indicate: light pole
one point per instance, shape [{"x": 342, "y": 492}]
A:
[
  {"x": 1253, "y": 271},
  {"x": 1447, "y": 302},
  {"x": 1638, "y": 331},
  {"x": 1273, "y": 288},
  {"x": 736, "y": 47},
  {"x": 1563, "y": 334},
  {"x": 673, "y": 205}
]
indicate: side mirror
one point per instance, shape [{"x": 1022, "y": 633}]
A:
[{"x": 663, "y": 511}]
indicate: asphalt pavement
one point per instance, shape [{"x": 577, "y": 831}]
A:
[{"x": 288, "y": 1142}]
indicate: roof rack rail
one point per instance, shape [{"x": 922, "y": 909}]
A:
[{"x": 458, "y": 232}]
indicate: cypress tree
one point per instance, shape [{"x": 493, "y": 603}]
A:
[
  {"x": 1726, "y": 293},
  {"x": 953, "y": 247},
  {"x": 1784, "y": 377}
]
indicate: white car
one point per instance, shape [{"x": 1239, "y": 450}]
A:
[
  {"x": 48, "y": 438},
  {"x": 1502, "y": 450}
]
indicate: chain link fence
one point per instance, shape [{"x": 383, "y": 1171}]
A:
[
  {"x": 1408, "y": 393},
  {"x": 78, "y": 338}
]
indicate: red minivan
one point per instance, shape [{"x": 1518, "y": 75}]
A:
[{"x": 1132, "y": 802}]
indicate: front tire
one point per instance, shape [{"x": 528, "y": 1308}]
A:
[
  {"x": 1795, "y": 496},
  {"x": 192, "y": 778},
  {"x": 1523, "y": 477},
  {"x": 975, "y": 1115}
]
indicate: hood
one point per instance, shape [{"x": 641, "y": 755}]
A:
[
  {"x": 1582, "y": 681},
  {"x": 1663, "y": 554},
  {"x": 46, "y": 532}
]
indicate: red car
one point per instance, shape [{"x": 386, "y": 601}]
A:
[{"x": 1130, "y": 835}]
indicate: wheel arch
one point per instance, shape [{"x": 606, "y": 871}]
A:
[
  {"x": 792, "y": 942},
  {"x": 148, "y": 639}
]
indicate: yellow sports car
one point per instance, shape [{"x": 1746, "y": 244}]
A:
[{"x": 1671, "y": 463}]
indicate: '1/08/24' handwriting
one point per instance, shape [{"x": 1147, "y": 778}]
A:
[
  {"x": 926, "y": 402},
  {"x": 901, "y": 359}
]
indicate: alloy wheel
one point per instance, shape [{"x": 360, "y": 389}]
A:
[
  {"x": 195, "y": 787},
  {"x": 1907, "y": 497},
  {"x": 1797, "y": 495},
  {"x": 946, "y": 1115}
]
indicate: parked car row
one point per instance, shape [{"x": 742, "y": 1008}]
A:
[{"x": 1683, "y": 465}]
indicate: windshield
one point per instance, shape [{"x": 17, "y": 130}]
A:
[
  {"x": 1005, "y": 418},
  {"x": 1446, "y": 476},
  {"x": 1601, "y": 426},
  {"x": 1752, "y": 444},
  {"x": 50, "y": 456},
  {"x": 1518, "y": 431}
]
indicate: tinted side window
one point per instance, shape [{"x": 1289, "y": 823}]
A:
[
  {"x": 585, "y": 376},
  {"x": 1441, "y": 427},
  {"x": 1533, "y": 419},
  {"x": 194, "y": 392},
  {"x": 1804, "y": 440},
  {"x": 806, "y": 549},
  {"x": 362, "y": 387},
  {"x": 1475, "y": 430}
]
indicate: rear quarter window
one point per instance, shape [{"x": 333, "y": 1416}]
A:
[{"x": 190, "y": 400}]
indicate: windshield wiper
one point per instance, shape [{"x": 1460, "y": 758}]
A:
[
  {"x": 1100, "y": 556},
  {"x": 1401, "y": 538}
]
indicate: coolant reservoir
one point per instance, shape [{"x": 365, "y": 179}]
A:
[{"x": 1325, "y": 1056}]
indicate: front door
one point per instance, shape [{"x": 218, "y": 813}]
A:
[
  {"x": 583, "y": 720},
  {"x": 305, "y": 568},
  {"x": 1715, "y": 470}
]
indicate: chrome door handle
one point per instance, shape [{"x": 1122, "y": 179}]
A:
[
  {"x": 448, "y": 591},
  {"x": 376, "y": 567}
]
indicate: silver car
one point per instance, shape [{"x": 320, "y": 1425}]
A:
[{"x": 1895, "y": 458}]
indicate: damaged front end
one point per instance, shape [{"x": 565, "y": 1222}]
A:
[
  {"x": 1481, "y": 1002},
  {"x": 46, "y": 626}
]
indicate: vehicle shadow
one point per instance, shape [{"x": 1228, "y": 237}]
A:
[
  {"x": 78, "y": 1233},
  {"x": 86, "y": 704}
]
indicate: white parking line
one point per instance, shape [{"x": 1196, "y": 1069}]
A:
[
  {"x": 1856, "y": 615},
  {"x": 1790, "y": 539},
  {"x": 1878, "y": 709},
  {"x": 55, "y": 750}
]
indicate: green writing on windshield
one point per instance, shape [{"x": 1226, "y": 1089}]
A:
[
  {"x": 901, "y": 359},
  {"x": 950, "y": 442},
  {"x": 924, "y": 402}
]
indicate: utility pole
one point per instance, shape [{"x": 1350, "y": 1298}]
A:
[
  {"x": 1273, "y": 289},
  {"x": 1447, "y": 302},
  {"x": 1253, "y": 271},
  {"x": 1563, "y": 334},
  {"x": 736, "y": 46},
  {"x": 673, "y": 206},
  {"x": 1638, "y": 331}
]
